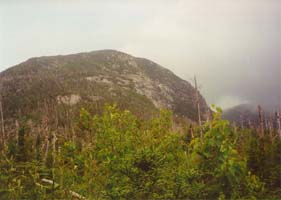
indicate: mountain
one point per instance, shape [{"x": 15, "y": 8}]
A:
[
  {"x": 241, "y": 112},
  {"x": 60, "y": 84},
  {"x": 248, "y": 114}
]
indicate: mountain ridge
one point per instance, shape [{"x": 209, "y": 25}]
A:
[{"x": 95, "y": 78}]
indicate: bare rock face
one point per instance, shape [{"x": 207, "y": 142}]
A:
[
  {"x": 95, "y": 78},
  {"x": 69, "y": 100}
]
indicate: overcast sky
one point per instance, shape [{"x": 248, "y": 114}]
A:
[{"x": 233, "y": 46}]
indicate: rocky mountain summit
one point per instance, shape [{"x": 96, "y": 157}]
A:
[{"x": 92, "y": 79}]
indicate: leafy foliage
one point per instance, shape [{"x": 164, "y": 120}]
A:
[{"x": 115, "y": 155}]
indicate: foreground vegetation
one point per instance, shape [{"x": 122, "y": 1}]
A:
[{"x": 117, "y": 156}]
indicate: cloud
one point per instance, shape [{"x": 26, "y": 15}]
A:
[
  {"x": 226, "y": 102},
  {"x": 233, "y": 47}
]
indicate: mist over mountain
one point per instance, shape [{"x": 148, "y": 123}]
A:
[{"x": 232, "y": 46}]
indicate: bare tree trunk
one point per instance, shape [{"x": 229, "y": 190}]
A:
[
  {"x": 198, "y": 108},
  {"x": 191, "y": 131},
  {"x": 46, "y": 135},
  {"x": 46, "y": 148},
  {"x": 17, "y": 130},
  {"x": 2, "y": 123},
  {"x": 261, "y": 124},
  {"x": 241, "y": 122},
  {"x": 278, "y": 123},
  {"x": 265, "y": 120},
  {"x": 74, "y": 194},
  {"x": 54, "y": 139},
  {"x": 270, "y": 126},
  {"x": 250, "y": 124},
  {"x": 265, "y": 125}
]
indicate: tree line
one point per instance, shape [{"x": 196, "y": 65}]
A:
[{"x": 115, "y": 155}]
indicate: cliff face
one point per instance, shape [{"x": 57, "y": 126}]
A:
[{"x": 93, "y": 79}]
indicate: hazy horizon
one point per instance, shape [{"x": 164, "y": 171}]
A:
[{"x": 233, "y": 47}]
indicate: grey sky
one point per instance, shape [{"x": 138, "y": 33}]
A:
[{"x": 233, "y": 46}]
